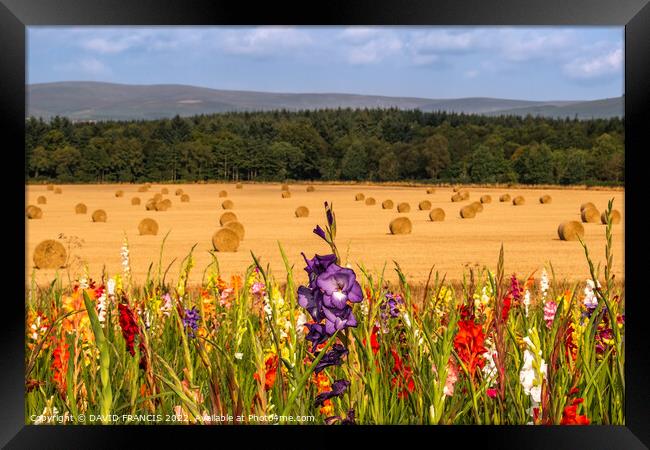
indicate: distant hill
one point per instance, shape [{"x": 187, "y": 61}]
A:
[{"x": 84, "y": 100}]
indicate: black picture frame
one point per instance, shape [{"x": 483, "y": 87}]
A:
[{"x": 15, "y": 15}]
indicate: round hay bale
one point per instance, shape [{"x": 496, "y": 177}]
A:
[
  {"x": 518, "y": 200},
  {"x": 239, "y": 186},
  {"x": 400, "y": 225},
  {"x": 227, "y": 217},
  {"x": 50, "y": 254},
  {"x": 164, "y": 191},
  {"x": 286, "y": 194},
  {"x": 437, "y": 215},
  {"x": 50, "y": 187},
  {"x": 41, "y": 200},
  {"x": 143, "y": 189},
  {"x": 457, "y": 188},
  {"x": 359, "y": 197},
  {"x": 119, "y": 194},
  {"x": 228, "y": 204},
  {"x": 178, "y": 191},
  {"x": 424, "y": 205},
  {"x": 302, "y": 211},
  {"x": 590, "y": 215},
  {"x": 570, "y": 231},
  {"x": 478, "y": 206},
  {"x": 147, "y": 185},
  {"x": 58, "y": 190},
  {"x": 464, "y": 195},
  {"x": 33, "y": 212},
  {"x": 225, "y": 240},
  {"x": 545, "y": 199},
  {"x": 370, "y": 201},
  {"x": 80, "y": 208},
  {"x": 151, "y": 204},
  {"x": 284, "y": 187},
  {"x": 223, "y": 194},
  {"x": 135, "y": 201},
  {"x": 387, "y": 204},
  {"x": 616, "y": 217},
  {"x": 157, "y": 197},
  {"x": 148, "y": 227},
  {"x": 456, "y": 198},
  {"x": 237, "y": 227},
  {"x": 587, "y": 205},
  {"x": 99, "y": 215},
  {"x": 403, "y": 207},
  {"x": 163, "y": 205},
  {"x": 504, "y": 198},
  {"x": 310, "y": 188},
  {"x": 185, "y": 198},
  {"x": 467, "y": 212},
  {"x": 431, "y": 191},
  {"x": 486, "y": 199}
]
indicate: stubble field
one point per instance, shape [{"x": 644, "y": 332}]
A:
[{"x": 528, "y": 232}]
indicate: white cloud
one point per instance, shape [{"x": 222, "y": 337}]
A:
[
  {"x": 368, "y": 45},
  {"x": 603, "y": 65},
  {"x": 264, "y": 41},
  {"x": 446, "y": 41},
  {"x": 93, "y": 66},
  {"x": 471, "y": 73}
]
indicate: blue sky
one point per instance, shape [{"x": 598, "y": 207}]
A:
[{"x": 535, "y": 63}]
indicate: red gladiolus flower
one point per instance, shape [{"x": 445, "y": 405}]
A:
[
  {"x": 570, "y": 414},
  {"x": 468, "y": 343},
  {"x": 271, "y": 365},
  {"x": 59, "y": 365},
  {"x": 130, "y": 330},
  {"x": 403, "y": 379},
  {"x": 374, "y": 343},
  {"x": 507, "y": 302}
]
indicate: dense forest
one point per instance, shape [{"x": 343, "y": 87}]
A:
[{"x": 342, "y": 144}]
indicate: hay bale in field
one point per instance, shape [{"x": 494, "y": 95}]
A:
[
  {"x": 431, "y": 191},
  {"x": 518, "y": 200},
  {"x": 41, "y": 200},
  {"x": 151, "y": 204},
  {"x": 590, "y": 215},
  {"x": 370, "y": 201},
  {"x": 33, "y": 212},
  {"x": 228, "y": 204},
  {"x": 178, "y": 192},
  {"x": 284, "y": 187},
  {"x": 80, "y": 208},
  {"x": 223, "y": 194},
  {"x": 400, "y": 225},
  {"x": 50, "y": 187},
  {"x": 239, "y": 186},
  {"x": 403, "y": 207},
  {"x": 570, "y": 231},
  {"x": 359, "y": 197},
  {"x": 478, "y": 206},
  {"x": 163, "y": 205},
  {"x": 456, "y": 197},
  {"x": 147, "y": 185},
  {"x": 58, "y": 190},
  {"x": 486, "y": 199},
  {"x": 135, "y": 201},
  {"x": 616, "y": 217},
  {"x": 457, "y": 188},
  {"x": 302, "y": 211},
  {"x": 50, "y": 254},
  {"x": 119, "y": 194},
  {"x": 148, "y": 227},
  {"x": 157, "y": 197},
  {"x": 237, "y": 227},
  {"x": 467, "y": 212},
  {"x": 286, "y": 194},
  {"x": 185, "y": 198},
  {"x": 545, "y": 199},
  {"x": 387, "y": 204},
  {"x": 424, "y": 205},
  {"x": 464, "y": 195},
  {"x": 225, "y": 240},
  {"x": 164, "y": 191},
  {"x": 310, "y": 188},
  {"x": 227, "y": 217},
  {"x": 504, "y": 198},
  {"x": 99, "y": 215},
  {"x": 143, "y": 189},
  {"x": 587, "y": 205},
  {"x": 437, "y": 215}
]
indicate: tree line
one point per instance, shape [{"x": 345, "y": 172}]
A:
[{"x": 335, "y": 144}]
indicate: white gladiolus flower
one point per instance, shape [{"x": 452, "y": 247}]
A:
[
  {"x": 110, "y": 286},
  {"x": 526, "y": 301},
  {"x": 101, "y": 307},
  {"x": 300, "y": 324},
  {"x": 407, "y": 320},
  {"x": 534, "y": 369},
  {"x": 544, "y": 284},
  {"x": 239, "y": 355},
  {"x": 590, "y": 300}
]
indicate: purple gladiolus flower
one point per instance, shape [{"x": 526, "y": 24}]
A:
[
  {"x": 319, "y": 232},
  {"x": 312, "y": 301},
  {"x": 332, "y": 358},
  {"x": 191, "y": 320},
  {"x": 338, "y": 319},
  {"x": 348, "y": 420},
  {"x": 515, "y": 290},
  {"x": 339, "y": 285},
  {"x": 316, "y": 335},
  {"x": 338, "y": 388},
  {"x": 317, "y": 265}
]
